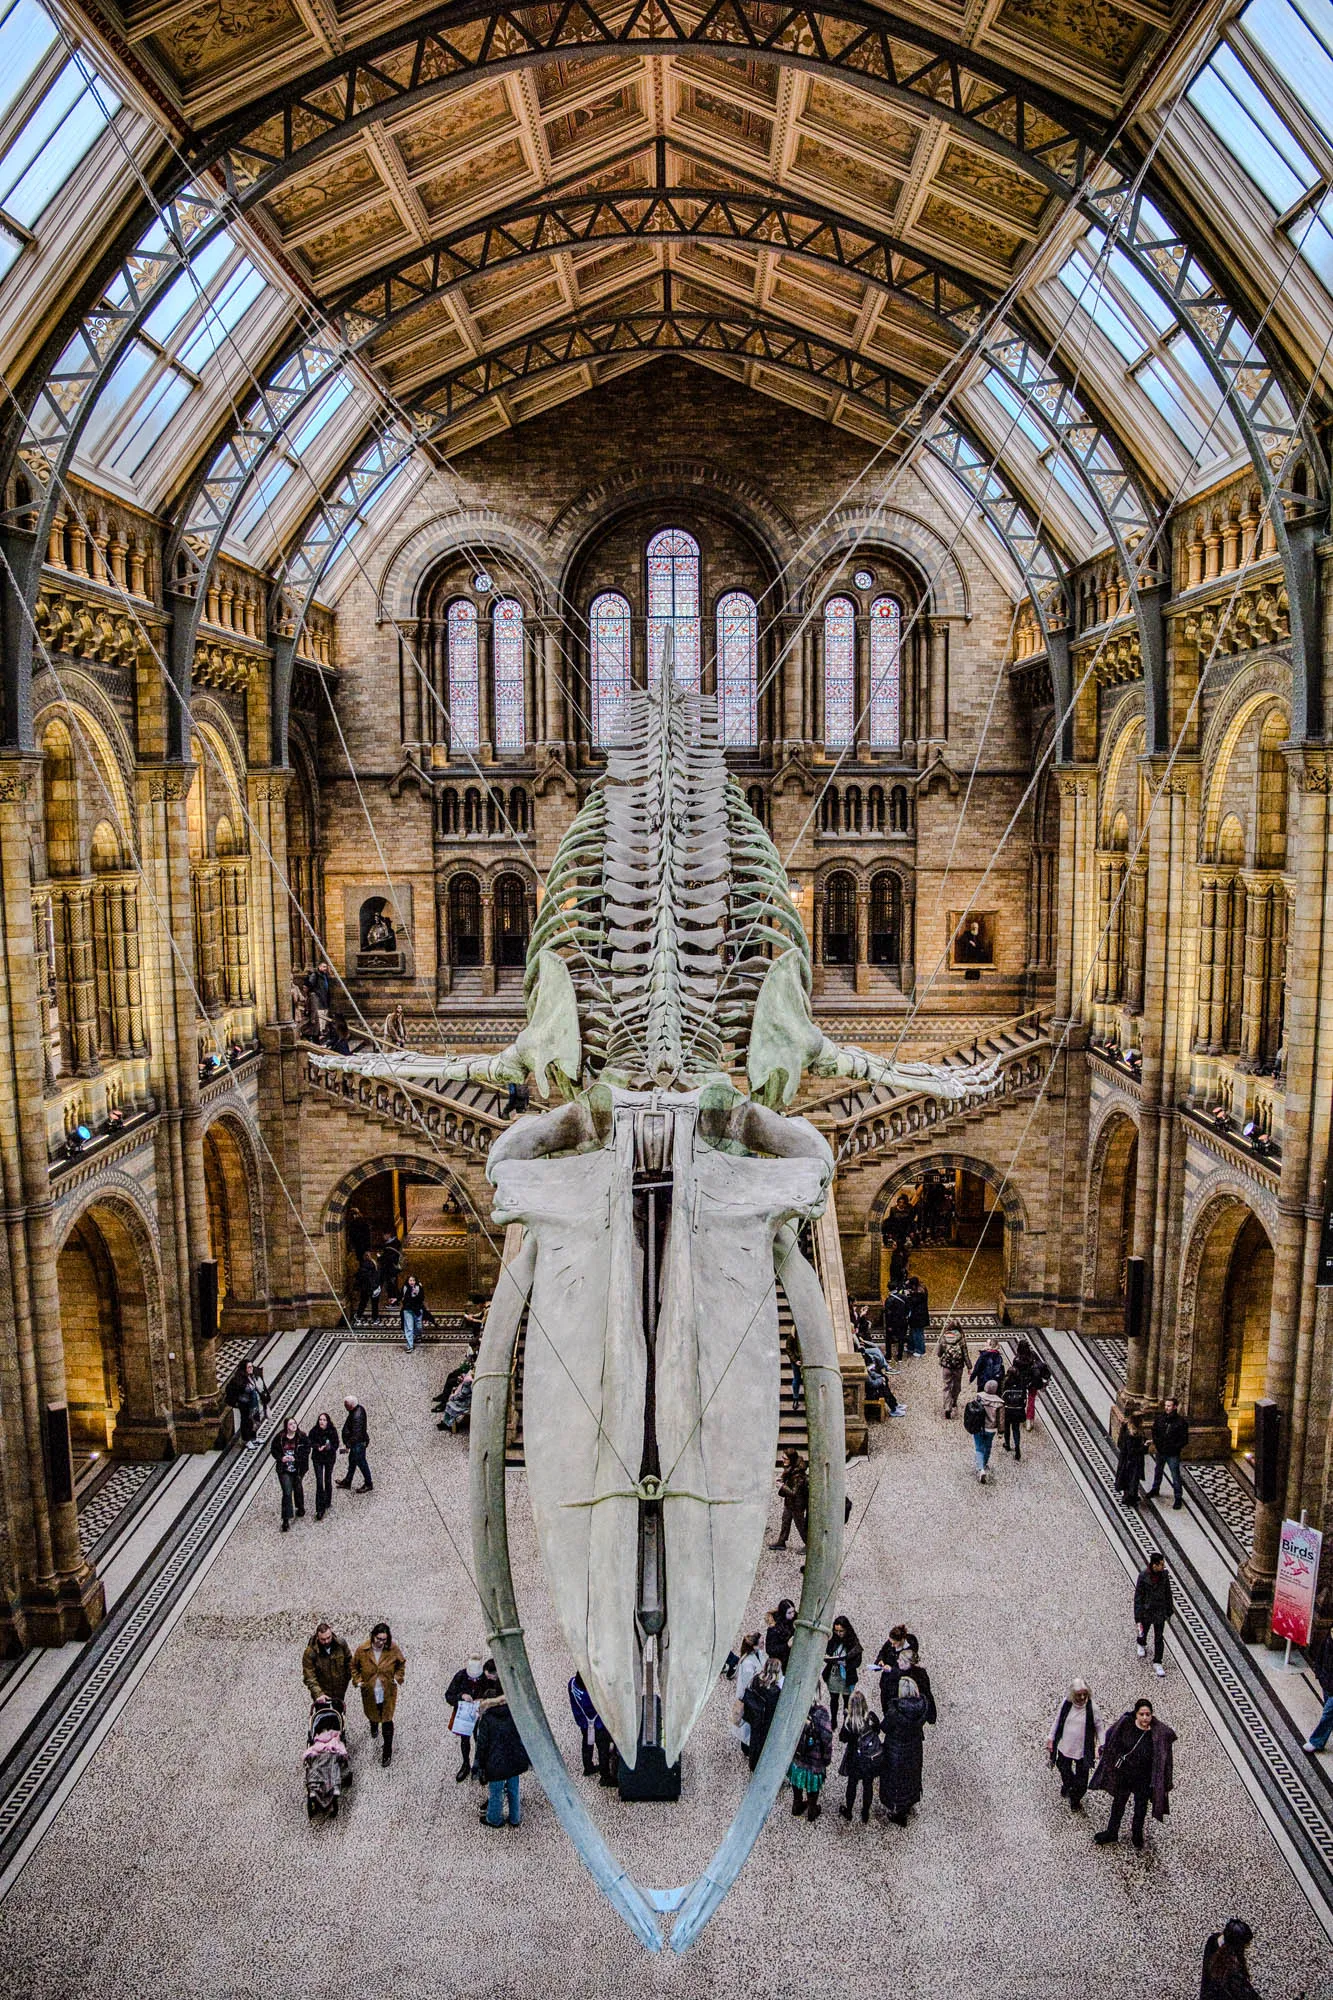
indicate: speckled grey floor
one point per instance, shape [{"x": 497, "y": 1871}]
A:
[{"x": 183, "y": 1863}]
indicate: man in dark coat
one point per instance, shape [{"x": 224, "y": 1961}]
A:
[
  {"x": 794, "y": 1493},
  {"x": 904, "y": 1731},
  {"x": 1153, "y": 1605},
  {"x": 326, "y": 1665},
  {"x": 1135, "y": 1763},
  {"x": 356, "y": 1436},
  {"x": 1170, "y": 1435},
  {"x": 501, "y": 1762},
  {"x": 894, "y": 1320},
  {"x": 918, "y": 1314}
]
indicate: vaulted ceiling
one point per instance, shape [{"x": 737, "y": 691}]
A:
[{"x": 503, "y": 208}]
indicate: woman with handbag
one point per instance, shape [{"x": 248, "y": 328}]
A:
[
  {"x": 1135, "y": 1764},
  {"x": 378, "y": 1668},
  {"x": 1072, "y": 1743}
]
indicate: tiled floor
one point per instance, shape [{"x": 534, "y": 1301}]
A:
[{"x": 182, "y": 1862}]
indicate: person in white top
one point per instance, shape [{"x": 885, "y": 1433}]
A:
[
  {"x": 748, "y": 1668},
  {"x": 1073, "y": 1743}
]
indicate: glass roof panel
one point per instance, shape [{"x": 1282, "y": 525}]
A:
[{"x": 26, "y": 33}]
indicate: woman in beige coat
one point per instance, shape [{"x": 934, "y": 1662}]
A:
[{"x": 377, "y": 1669}]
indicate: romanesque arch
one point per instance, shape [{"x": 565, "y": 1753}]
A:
[
  {"x": 1222, "y": 1315},
  {"x": 1108, "y": 1221},
  {"x": 117, "y": 1372},
  {"x": 236, "y": 1224}
]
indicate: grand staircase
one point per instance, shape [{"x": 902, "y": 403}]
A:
[{"x": 467, "y": 1117}]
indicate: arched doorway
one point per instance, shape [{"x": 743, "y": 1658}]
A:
[
  {"x": 464, "y": 921},
  {"x": 511, "y": 921},
  {"x": 1112, "y": 1186},
  {"x": 429, "y": 1224},
  {"x": 110, "y": 1314},
  {"x": 886, "y": 919},
  {"x": 1226, "y": 1302},
  {"x": 840, "y": 919},
  {"x": 954, "y": 1226},
  {"x": 235, "y": 1228}
]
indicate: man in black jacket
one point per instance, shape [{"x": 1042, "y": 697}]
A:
[
  {"x": 1170, "y": 1435},
  {"x": 895, "y": 1325},
  {"x": 356, "y": 1436},
  {"x": 501, "y": 1762},
  {"x": 1153, "y": 1605}
]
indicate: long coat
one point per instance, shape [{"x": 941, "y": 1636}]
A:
[
  {"x": 328, "y": 1672},
  {"x": 904, "y": 1728},
  {"x": 389, "y": 1673},
  {"x": 1119, "y": 1740}
]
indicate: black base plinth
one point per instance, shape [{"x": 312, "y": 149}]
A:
[{"x": 652, "y": 1777}]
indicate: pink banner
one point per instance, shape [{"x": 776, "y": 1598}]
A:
[{"x": 1297, "y": 1575}]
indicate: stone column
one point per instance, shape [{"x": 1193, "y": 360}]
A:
[
  {"x": 861, "y": 971},
  {"x": 1101, "y": 985},
  {"x": 1203, "y": 1013},
  {"x": 487, "y": 939},
  {"x": 1305, "y": 1143},
  {"x": 268, "y": 915},
  {"x": 1115, "y": 943},
  {"x": 55, "y": 1595},
  {"x": 1136, "y": 899},
  {"x": 553, "y": 728},
  {"x": 236, "y": 934},
  {"x": 1258, "y": 940},
  {"x": 938, "y": 670}
]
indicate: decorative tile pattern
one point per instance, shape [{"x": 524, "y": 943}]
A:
[
  {"x": 839, "y": 672},
  {"x": 1216, "y": 1481},
  {"x": 108, "y": 1500}
]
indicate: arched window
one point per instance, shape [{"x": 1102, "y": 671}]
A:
[
  {"x": 900, "y": 810},
  {"x": 839, "y": 673},
  {"x": 511, "y": 920},
  {"x": 840, "y": 920},
  {"x": 886, "y": 907},
  {"x": 518, "y": 809},
  {"x": 464, "y": 689},
  {"x": 472, "y": 813},
  {"x": 851, "y": 809},
  {"x": 673, "y": 601},
  {"x": 886, "y": 641},
  {"x": 828, "y": 810},
  {"x": 737, "y": 671},
  {"x": 465, "y": 920},
  {"x": 608, "y": 628},
  {"x": 508, "y": 675},
  {"x": 757, "y": 800}
]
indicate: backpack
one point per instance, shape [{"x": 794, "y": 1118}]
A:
[
  {"x": 974, "y": 1417},
  {"x": 1014, "y": 1395},
  {"x": 869, "y": 1761}
]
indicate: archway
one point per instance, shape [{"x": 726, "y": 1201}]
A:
[
  {"x": 464, "y": 921},
  {"x": 110, "y": 1315},
  {"x": 1225, "y": 1308},
  {"x": 1112, "y": 1186},
  {"x": 235, "y": 1227},
  {"x": 959, "y": 1224},
  {"x": 511, "y": 921},
  {"x": 428, "y": 1220}
]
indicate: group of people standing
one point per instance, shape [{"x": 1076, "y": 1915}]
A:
[
  {"x": 881, "y": 1750},
  {"x": 1005, "y": 1399}
]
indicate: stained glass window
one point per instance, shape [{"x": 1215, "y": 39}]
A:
[
  {"x": 673, "y": 601},
  {"x": 608, "y": 627},
  {"x": 839, "y": 671},
  {"x": 886, "y": 639},
  {"x": 464, "y": 687},
  {"x": 737, "y": 671},
  {"x": 507, "y": 667}
]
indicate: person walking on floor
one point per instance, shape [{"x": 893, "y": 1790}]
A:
[
  {"x": 842, "y": 1664},
  {"x": 412, "y": 1303},
  {"x": 1014, "y": 1405},
  {"x": 988, "y": 1367},
  {"x": 1170, "y": 1435},
  {"x": 470, "y": 1686},
  {"x": 981, "y": 1421},
  {"x": 1135, "y": 1764},
  {"x": 1073, "y": 1744},
  {"x": 918, "y": 1315},
  {"x": 391, "y": 1264},
  {"x": 323, "y": 1440},
  {"x": 1153, "y": 1605},
  {"x": 367, "y": 1285},
  {"x": 378, "y": 1668},
  {"x": 291, "y": 1457},
  {"x": 951, "y": 1353},
  {"x": 809, "y": 1765},
  {"x": 356, "y": 1436},
  {"x": 863, "y": 1758},
  {"x": 1323, "y": 1729},
  {"x": 248, "y": 1393},
  {"x": 1131, "y": 1458},
  {"x": 326, "y": 1665},
  {"x": 758, "y": 1705},
  {"x": 893, "y": 1319},
  {"x": 599, "y": 1751},
  {"x": 794, "y": 1493},
  {"x": 904, "y": 1735},
  {"x": 1226, "y": 1971},
  {"x": 501, "y": 1762}
]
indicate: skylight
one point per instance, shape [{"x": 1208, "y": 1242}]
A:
[{"x": 50, "y": 114}]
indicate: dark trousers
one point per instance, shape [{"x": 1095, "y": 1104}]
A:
[
  {"x": 1074, "y": 1775},
  {"x": 895, "y": 1342},
  {"x": 792, "y": 1517},
  {"x": 1172, "y": 1467},
  {"x": 356, "y": 1462},
  {"x": 608, "y": 1757},
  {"x": 1157, "y": 1626},
  {"x": 465, "y": 1747},
  {"x": 1119, "y": 1800},
  {"x": 293, "y": 1493},
  {"x": 836, "y": 1697},
  {"x": 1013, "y": 1432},
  {"x": 867, "y": 1789},
  {"x": 323, "y": 1468}
]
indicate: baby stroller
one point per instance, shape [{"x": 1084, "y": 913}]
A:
[{"x": 327, "y": 1765}]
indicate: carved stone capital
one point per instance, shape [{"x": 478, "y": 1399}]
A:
[
  {"x": 1310, "y": 767},
  {"x": 168, "y": 784}
]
